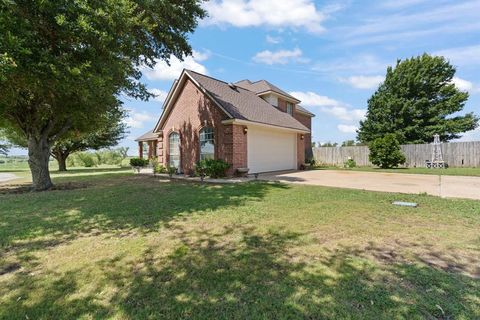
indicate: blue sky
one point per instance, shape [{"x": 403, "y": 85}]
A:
[{"x": 329, "y": 54}]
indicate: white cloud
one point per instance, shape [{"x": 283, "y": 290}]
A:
[
  {"x": 270, "y": 13},
  {"x": 462, "y": 56},
  {"x": 137, "y": 119},
  {"x": 431, "y": 20},
  {"x": 363, "y": 82},
  {"x": 473, "y": 135},
  {"x": 462, "y": 84},
  {"x": 347, "y": 128},
  {"x": 160, "y": 95},
  {"x": 330, "y": 106},
  {"x": 279, "y": 57},
  {"x": 200, "y": 56},
  {"x": 273, "y": 40},
  {"x": 163, "y": 71}
]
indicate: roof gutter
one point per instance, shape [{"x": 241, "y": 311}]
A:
[
  {"x": 305, "y": 113},
  {"x": 291, "y": 99},
  {"x": 265, "y": 125}
]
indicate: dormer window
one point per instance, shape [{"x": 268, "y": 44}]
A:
[
  {"x": 272, "y": 99},
  {"x": 290, "y": 108}
]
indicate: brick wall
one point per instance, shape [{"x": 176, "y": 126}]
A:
[
  {"x": 235, "y": 142},
  {"x": 282, "y": 105},
  {"x": 307, "y": 122},
  {"x": 300, "y": 149},
  {"x": 303, "y": 119},
  {"x": 191, "y": 112}
]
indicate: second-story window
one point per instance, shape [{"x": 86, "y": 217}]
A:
[{"x": 290, "y": 108}]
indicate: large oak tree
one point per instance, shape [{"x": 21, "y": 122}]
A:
[
  {"x": 104, "y": 132},
  {"x": 65, "y": 62},
  {"x": 416, "y": 101}
]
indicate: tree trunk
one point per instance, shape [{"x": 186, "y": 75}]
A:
[
  {"x": 38, "y": 156},
  {"x": 62, "y": 163}
]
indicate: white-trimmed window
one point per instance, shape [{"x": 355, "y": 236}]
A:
[
  {"x": 290, "y": 108},
  {"x": 174, "y": 149},
  {"x": 207, "y": 143},
  {"x": 145, "y": 149}
]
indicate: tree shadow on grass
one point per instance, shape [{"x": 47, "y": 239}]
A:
[
  {"x": 239, "y": 273},
  {"x": 137, "y": 204}
]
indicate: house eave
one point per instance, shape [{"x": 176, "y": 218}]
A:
[
  {"x": 305, "y": 113},
  {"x": 290, "y": 99},
  {"x": 261, "y": 124}
]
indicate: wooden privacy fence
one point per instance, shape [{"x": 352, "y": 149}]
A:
[{"x": 456, "y": 154}]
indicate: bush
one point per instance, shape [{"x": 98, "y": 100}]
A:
[
  {"x": 138, "y": 162},
  {"x": 386, "y": 153},
  {"x": 350, "y": 163},
  {"x": 158, "y": 168},
  {"x": 86, "y": 159},
  {"x": 109, "y": 156},
  {"x": 171, "y": 170},
  {"x": 214, "y": 168}
]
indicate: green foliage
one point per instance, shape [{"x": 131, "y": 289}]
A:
[
  {"x": 386, "y": 152},
  {"x": 87, "y": 159},
  {"x": 139, "y": 162},
  {"x": 159, "y": 168},
  {"x": 214, "y": 168},
  {"x": 108, "y": 131},
  {"x": 111, "y": 157},
  {"x": 416, "y": 101},
  {"x": 328, "y": 144},
  {"x": 63, "y": 63},
  {"x": 348, "y": 143},
  {"x": 3, "y": 146},
  {"x": 350, "y": 163},
  {"x": 171, "y": 170}
]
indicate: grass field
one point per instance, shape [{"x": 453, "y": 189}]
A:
[
  {"x": 449, "y": 171},
  {"x": 20, "y": 164},
  {"x": 134, "y": 247}
]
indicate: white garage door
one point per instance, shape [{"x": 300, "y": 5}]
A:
[{"x": 270, "y": 150}]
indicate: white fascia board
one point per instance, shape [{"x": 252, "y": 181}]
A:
[{"x": 265, "y": 125}]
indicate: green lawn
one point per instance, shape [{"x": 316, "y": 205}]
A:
[
  {"x": 135, "y": 247},
  {"x": 449, "y": 171}
]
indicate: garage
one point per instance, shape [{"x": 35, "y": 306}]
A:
[{"x": 271, "y": 149}]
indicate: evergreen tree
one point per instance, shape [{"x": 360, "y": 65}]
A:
[{"x": 416, "y": 101}]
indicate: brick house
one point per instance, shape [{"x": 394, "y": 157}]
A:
[{"x": 251, "y": 125}]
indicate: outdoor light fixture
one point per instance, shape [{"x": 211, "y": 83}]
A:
[
  {"x": 302, "y": 137},
  {"x": 245, "y": 130}
]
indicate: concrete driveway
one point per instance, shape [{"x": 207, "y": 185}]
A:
[
  {"x": 444, "y": 186},
  {"x": 6, "y": 177}
]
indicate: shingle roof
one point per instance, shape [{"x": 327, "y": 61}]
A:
[
  {"x": 150, "y": 135},
  {"x": 244, "y": 104},
  {"x": 302, "y": 109},
  {"x": 263, "y": 86}
]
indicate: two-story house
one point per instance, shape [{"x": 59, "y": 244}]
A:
[{"x": 251, "y": 125}]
